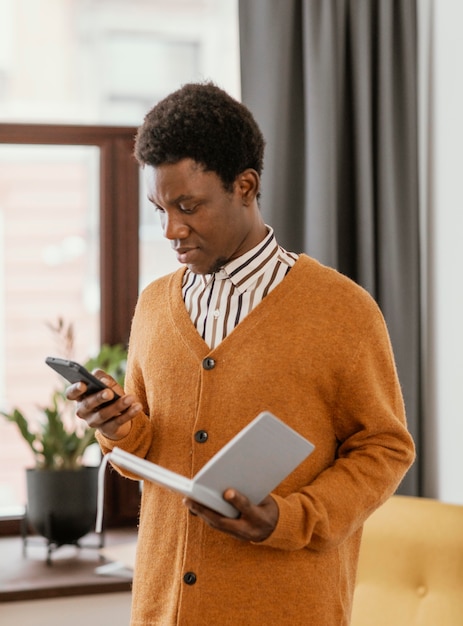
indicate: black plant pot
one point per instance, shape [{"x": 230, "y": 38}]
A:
[{"x": 61, "y": 504}]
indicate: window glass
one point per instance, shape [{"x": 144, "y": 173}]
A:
[
  {"x": 96, "y": 62},
  {"x": 109, "y": 61},
  {"x": 49, "y": 264}
]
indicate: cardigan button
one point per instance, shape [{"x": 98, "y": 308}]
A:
[
  {"x": 208, "y": 363},
  {"x": 201, "y": 436},
  {"x": 189, "y": 578}
]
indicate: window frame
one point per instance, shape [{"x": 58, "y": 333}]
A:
[{"x": 119, "y": 259}]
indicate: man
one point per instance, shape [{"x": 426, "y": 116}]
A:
[{"x": 245, "y": 326}]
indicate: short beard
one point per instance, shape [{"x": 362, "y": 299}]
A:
[{"x": 219, "y": 263}]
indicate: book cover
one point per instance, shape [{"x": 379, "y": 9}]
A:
[{"x": 253, "y": 462}]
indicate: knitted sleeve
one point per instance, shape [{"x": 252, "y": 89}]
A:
[{"x": 374, "y": 452}]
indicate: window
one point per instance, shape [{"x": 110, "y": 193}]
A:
[
  {"x": 108, "y": 61},
  {"x": 70, "y": 248},
  {"x": 116, "y": 59},
  {"x": 51, "y": 191}
]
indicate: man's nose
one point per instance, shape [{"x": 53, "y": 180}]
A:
[{"x": 173, "y": 227}]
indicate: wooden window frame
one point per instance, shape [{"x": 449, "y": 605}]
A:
[{"x": 119, "y": 259}]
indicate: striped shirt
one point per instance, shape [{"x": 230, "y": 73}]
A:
[{"x": 218, "y": 302}]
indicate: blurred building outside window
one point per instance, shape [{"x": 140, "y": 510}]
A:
[{"x": 96, "y": 62}]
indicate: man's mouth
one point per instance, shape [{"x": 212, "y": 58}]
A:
[{"x": 185, "y": 254}]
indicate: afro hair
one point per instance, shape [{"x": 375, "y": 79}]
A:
[{"x": 202, "y": 122}]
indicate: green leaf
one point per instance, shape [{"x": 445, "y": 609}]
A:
[
  {"x": 61, "y": 439},
  {"x": 112, "y": 359},
  {"x": 18, "y": 418}
]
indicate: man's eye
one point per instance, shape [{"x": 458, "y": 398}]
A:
[
  {"x": 188, "y": 209},
  {"x": 158, "y": 209}
]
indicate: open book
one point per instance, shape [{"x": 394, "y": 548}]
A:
[{"x": 254, "y": 462}]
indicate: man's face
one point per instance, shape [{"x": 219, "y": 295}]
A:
[{"x": 206, "y": 225}]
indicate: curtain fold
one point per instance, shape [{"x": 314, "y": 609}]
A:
[{"x": 333, "y": 84}]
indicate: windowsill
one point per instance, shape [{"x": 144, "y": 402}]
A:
[{"x": 71, "y": 571}]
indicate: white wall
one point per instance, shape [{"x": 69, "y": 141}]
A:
[
  {"x": 111, "y": 608},
  {"x": 447, "y": 246}
]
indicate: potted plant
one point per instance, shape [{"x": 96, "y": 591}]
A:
[{"x": 61, "y": 489}]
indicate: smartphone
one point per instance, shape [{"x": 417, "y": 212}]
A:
[{"x": 76, "y": 373}]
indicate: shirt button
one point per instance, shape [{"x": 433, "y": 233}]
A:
[
  {"x": 201, "y": 436},
  {"x": 208, "y": 363},
  {"x": 189, "y": 578}
]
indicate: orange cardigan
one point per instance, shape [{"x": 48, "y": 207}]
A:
[{"x": 316, "y": 353}]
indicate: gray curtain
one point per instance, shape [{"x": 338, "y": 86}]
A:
[{"x": 333, "y": 86}]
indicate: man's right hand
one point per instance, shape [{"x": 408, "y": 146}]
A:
[{"x": 112, "y": 420}]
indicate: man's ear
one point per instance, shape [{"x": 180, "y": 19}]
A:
[{"x": 248, "y": 184}]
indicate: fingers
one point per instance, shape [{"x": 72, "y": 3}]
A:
[
  {"x": 255, "y": 522},
  {"x": 112, "y": 419},
  {"x": 76, "y": 391},
  {"x": 109, "y": 381},
  {"x": 239, "y": 501}
]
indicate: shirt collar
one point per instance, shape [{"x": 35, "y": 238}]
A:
[{"x": 247, "y": 268}]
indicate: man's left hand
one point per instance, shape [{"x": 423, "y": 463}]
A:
[{"x": 255, "y": 523}]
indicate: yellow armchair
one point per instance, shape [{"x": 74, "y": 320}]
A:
[{"x": 411, "y": 565}]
